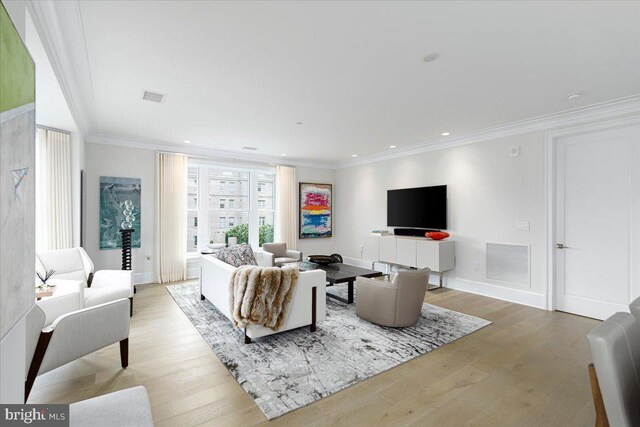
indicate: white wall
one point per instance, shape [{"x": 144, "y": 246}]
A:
[
  {"x": 53, "y": 111},
  {"x": 488, "y": 191},
  {"x": 13, "y": 337},
  {"x": 321, "y": 246},
  {"x": 107, "y": 160}
]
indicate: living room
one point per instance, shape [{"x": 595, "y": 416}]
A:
[{"x": 320, "y": 213}]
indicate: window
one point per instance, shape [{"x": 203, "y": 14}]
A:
[
  {"x": 266, "y": 207},
  {"x": 244, "y": 215},
  {"x": 192, "y": 209}
]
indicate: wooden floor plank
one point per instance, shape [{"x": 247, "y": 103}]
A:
[{"x": 527, "y": 368}]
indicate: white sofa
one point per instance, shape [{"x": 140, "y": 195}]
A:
[{"x": 214, "y": 286}]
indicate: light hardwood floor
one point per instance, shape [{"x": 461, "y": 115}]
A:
[{"x": 529, "y": 368}]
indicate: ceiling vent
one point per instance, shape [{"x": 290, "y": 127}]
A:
[
  {"x": 249, "y": 148},
  {"x": 154, "y": 97}
]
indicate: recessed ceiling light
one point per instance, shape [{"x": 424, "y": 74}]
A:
[
  {"x": 574, "y": 95},
  {"x": 249, "y": 148},
  {"x": 187, "y": 141},
  {"x": 354, "y": 155},
  {"x": 298, "y": 123},
  {"x": 431, "y": 57},
  {"x": 283, "y": 154},
  {"x": 392, "y": 146},
  {"x": 445, "y": 134}
]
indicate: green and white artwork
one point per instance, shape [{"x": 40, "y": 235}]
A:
[
  {"x": 17, "y": 186},
  {"x": 116, "y": 195}
]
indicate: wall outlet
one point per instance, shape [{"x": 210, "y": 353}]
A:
[
  {"x": 522, "y": 226},
  {"x": 514, "y": 151},
  {"x": 476, "y": 265}
]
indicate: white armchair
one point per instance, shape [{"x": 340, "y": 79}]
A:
[
  {"x": 59, "y": 331},
  {"x": 277, "y": 254},
  {"x": 74, "y": 268}
]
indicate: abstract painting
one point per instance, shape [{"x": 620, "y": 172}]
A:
[
  {"x": 113, "y": 194},
  {"x": 17, "y": 186},
  {"x": 315, "y": 210}
]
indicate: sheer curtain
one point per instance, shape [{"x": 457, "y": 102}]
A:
[
  {"x": 54, "y": 209},
  {"x": 286, "y": 206},
  {"x": 171, "y": 217}
]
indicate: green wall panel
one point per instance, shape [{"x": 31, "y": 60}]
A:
[{"x": 17, "y": 70}]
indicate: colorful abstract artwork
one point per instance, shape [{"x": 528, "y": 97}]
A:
[
  {"x": 315, "y": 210},
  {"x": 114, "y": 192}
]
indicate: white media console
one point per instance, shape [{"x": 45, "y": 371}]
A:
[{"x": 417, "y": 252}]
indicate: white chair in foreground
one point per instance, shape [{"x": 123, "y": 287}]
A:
[
  {"x": 277, "y": 254},
  {"x": 125, "y": 408},
  {"x": 74, "y": 266},
  {"x": 615, "y": 377},
  {"x": 634, "y": 308},
  {"x": 59, "y": 331}
]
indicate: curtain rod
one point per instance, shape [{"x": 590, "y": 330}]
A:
[{"x": 53, "y": 129}]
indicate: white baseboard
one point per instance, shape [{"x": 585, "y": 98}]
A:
[
  {"x": 143, "y": 278},
  {"x": 193, "y": 273},
  {"x": 519, "y": 296}
]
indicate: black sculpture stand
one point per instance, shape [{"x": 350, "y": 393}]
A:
[{"x": 126, "y": 248}]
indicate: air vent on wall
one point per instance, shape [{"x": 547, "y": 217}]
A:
[
  {"x": 249, "y": 148},
  {"x": 153, "y": 97},
  {"x": 508, "y": 263}
]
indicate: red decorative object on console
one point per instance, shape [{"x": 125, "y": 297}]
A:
[{"x": 436, "y": 235}]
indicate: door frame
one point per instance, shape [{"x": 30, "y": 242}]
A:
[{"x": 551, "y": 140}]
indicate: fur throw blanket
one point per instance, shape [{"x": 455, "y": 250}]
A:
[{"x": 261, "y": 295}]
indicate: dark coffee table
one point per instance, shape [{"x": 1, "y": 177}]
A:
[{"x": 340, "y": 273}]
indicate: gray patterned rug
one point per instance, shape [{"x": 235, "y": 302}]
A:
[{"x": 286, "y": 371}]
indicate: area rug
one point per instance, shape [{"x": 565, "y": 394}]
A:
[{"x": 286, "y": 371}]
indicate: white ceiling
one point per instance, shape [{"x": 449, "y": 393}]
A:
[{"x": 243, "y": 73}]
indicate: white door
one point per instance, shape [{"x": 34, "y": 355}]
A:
[{"x": 598, "y": 222}]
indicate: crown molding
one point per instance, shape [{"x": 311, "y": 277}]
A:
[
  {"x": 74, "y": 77},
  {"x": 571, "y": 118},
  {"x": 601, "y": 111},
  {"x": 194, "y": 150}
]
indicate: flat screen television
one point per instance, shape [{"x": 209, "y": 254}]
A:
[{"x": 423, "y": 207}]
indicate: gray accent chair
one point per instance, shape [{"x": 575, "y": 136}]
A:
[
  {"x": 128, "y": 407},
  {"x": 615, "y": 379},
  {"x": 277, "y": 254},
  {"x": 396, "y": 303}
]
